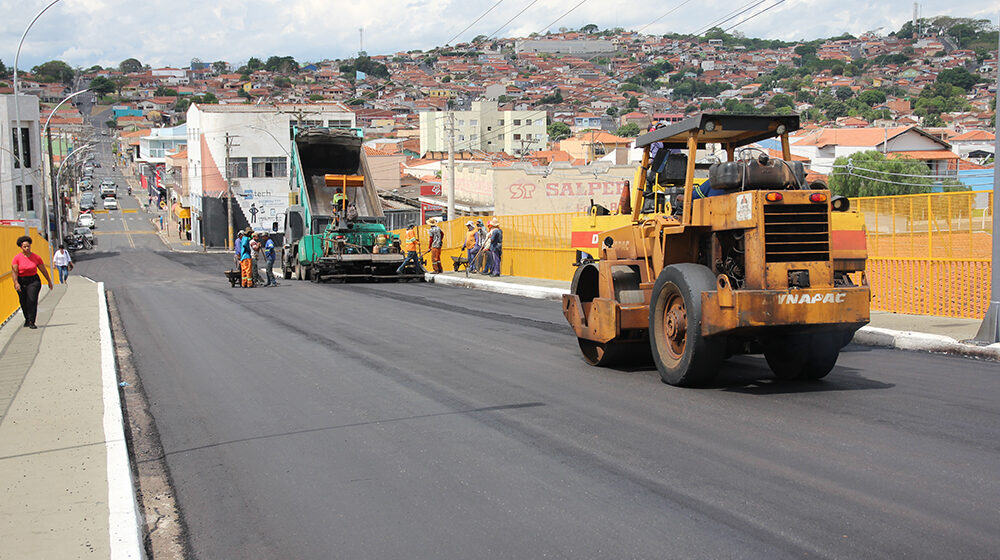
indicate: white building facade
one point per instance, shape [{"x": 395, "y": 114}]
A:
[
  {"x": 484, "y": 128},
  {"x": 21, "y": 188},
  {"x": 259, "y": 164}
]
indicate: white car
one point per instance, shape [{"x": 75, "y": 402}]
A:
[
  {"x": 86, "y": 220},
  {"x": 111, "y": 203}
]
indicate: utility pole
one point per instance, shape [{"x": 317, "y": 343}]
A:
[
  {"x": 229, "y": 189},
  {"x": 989, "y": 331},
  {"x": 56, "y": 201},
  {"x": 451, "y": 165}
]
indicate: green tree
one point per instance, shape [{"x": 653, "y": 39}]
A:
[
  {"x": 782, "y": 100},
  {"x": 254, "y": 64},
  {"x": 558, "y": 131},
  {"x": 836, "y": 110},
  {"x": 165, "y": 92},
  {"x": 872, "y": 97},
  {"x": 871, "y": 174},
  {"x": 633, "y": 103},
  {"x": 315, "y": 97},
  {"x": 102, "y": 85},
  {"x": 589, "y": 28},
  {"x": 629, "y": 87},
  {"x": 958, "y": 76},
  {"x": 219, "y": 66},
  {"x": 281, "y": 65},
  {"x": 612, "y": 111},
  {"x": 54, "y": 71},
  {"x": 130, "y": 65},
  {"x": 3, "y": 69},
  {"x": 628, "y": 130},
  {"x": 844, "y": 93},
  {"x": 282, "y": 82}
]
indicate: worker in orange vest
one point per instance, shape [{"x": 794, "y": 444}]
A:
[
  {"x": 411, "y": 244},
  {"x": 471, "y": 245}
]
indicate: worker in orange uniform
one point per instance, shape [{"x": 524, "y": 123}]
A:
[
  {"x": 436, "y": 241},
  {"x": 471, "y": 245},
  {"x": 411, "y": 244}
]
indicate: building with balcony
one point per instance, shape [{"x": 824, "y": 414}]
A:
[{"x": 484, "y": 128}]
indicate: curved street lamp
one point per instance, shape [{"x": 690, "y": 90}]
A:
[
  {"x": 17, "y": 103},
  {"x": 53, "y": 184}
]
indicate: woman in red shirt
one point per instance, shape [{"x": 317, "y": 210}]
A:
[{"x": 25, "y": 268}]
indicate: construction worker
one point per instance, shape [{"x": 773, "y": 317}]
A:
[
  {"x": 411, "y": 244},
  {"x": 338, "y": 201},
  {"x": 470, "y": 246},
  {"x": 480, "y": 243},
  {"x": 494, "y": 244},
  {"x": 436, "y": 241},
  {"x": 246, "y": 265}
]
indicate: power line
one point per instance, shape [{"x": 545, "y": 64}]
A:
[
  {"x": 448, "y": 42},
  {"x": 667, "y": 13},
  {"x": 502, "y": 27},
  {"x": 568, "y": 12}
]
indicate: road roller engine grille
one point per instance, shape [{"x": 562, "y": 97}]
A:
[{"x": 796, "y": 232}]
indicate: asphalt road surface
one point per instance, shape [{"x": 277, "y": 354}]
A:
[{"x": 417, "y": 421}]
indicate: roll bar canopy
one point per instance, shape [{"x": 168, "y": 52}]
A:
[{"x": 717, "y": 128}]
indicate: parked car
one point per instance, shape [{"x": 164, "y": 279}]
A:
[
  {"x": 111, "y": 203},
  {"x": 86, "y": 220},
  {"x": 86, "y": 205},
  {"x": 86, "y": 232}
]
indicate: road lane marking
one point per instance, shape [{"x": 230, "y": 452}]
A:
[
  {"x": 129, "y": 232},
  {"x": 131, "y": 242}
]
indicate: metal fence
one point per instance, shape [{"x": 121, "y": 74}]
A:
[
  {"x": 8, "y": 248},
  {"x": 930, "y": 254}
]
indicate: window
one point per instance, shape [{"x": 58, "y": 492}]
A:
[
  {"x": 26, "y": 142},
  {"x": 238, "y": 168},
  {"x": 527, "y": 122},
  {"x": 25, "y": 198},
  {"x": 461, "y": 122},
  {"x": 338, "y": 124},
  {"x": 474, "y": 138},
  {"x": 527, "y": 136},
  {"x": 517, "y": 122},
  {"x": 501, "y": 123},
  {"x": 269, "y": 167},
  {"x": 474, "y": 122},
  {"x": 517, "y": 137}
]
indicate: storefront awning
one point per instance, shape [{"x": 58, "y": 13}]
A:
[{"x": 181, "y": 212}]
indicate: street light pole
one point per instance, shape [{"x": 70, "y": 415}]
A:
[
  {"x": 53, "y": 185},
  {"x": 989, "y": 331},
  {"x": 17, "y": 109}
]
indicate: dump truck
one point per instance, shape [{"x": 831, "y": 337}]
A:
[
  {"x": 336, "y": 230},
  {"x": 739, "y": 260}
]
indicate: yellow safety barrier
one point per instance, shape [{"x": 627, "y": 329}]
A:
[
  {"x": 930, "y": 254},
  {"x": 8, "y": 248},
  {"x": 927, "y": 254}
]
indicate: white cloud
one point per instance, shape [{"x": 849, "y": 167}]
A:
[{"x": 162, "y": 32}]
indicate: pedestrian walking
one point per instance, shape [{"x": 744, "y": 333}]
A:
[
  {"x": 269, "y": 256},
  {"x": 25, "y": 268},
  {"x": 469, "y": 245},
  {"x": 496, "y": 246},
  {"x": 411, "y": 244},
  {"x": 246, "y": 264},
  {"x": 436, "y": 236},
  {"x": 63, "y": 262}
]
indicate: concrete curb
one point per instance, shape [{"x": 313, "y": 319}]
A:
[
  {"x": 868, "y": 336},
  {"x": 523, "y": 290}
]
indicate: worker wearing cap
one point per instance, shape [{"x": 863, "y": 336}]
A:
[
  {"x": 481, "y": 257},
  {"x": 494, "y": 244},
  {"x": 436, "y": 235},
  {"x": 411, "y": 244},
  {"x": 246, "y": 264},
  {"x": 470, "y": 246}
]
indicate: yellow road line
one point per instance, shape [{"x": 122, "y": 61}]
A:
[
  {"x": 131, "y": 242},
  {"x": 130, "y": 211},
  {"x": 129, "y": 232}
]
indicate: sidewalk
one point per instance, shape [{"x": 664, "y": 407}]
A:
[
  {"x": 67, "y": 483},
  {"x": 892, "y": 330}
]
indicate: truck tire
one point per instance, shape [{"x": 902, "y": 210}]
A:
[
  {"x": 682, "y": 355},
  {"x": 824, "y": 349},
  {"x": 298, "y": 271}
]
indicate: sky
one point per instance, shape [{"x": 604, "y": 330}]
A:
[{"x": 171, "y": 33}]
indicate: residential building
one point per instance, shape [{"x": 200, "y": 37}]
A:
[
  {"x": 486, "y": 128},
  {"x": 21, "y": 177},
  {"x": 824, "y": 145},
  {"x": 563, "y": 46},
  {"x": 593, "y": 144}
]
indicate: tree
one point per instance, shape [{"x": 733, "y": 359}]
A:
[
  {"x": 629, "y": 87},
  {"x": 836, "y": 110},
  {"x": 3, "y": 69},
  {"x": 130, "y": 65},
  {"x": 54, "y": 71},
  {"x": 628, "y": 130},
  {"x": 872, "y": 97},
  {"x": 254, "y": 64},
  {"x": 558, "y": 131},
  {"x": 633, "y": 103},
  {"x": 220, "y": 66},
  {"x": 102, "y": 85},
  {"x": 282, "y": 82},
  {"x": 315, "y": 97},
  {"x": 165, "y": 92},
  {"x": 782, "y": 100},
  {"x": 611, "y": 111},
  {"x": 589, "y": 28},
  {"x": 844, "y": 93},
  {"x": 871, "y": 174},
  {"x": 281, "y": 65},
  {"x": 958, "y": 76}
]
